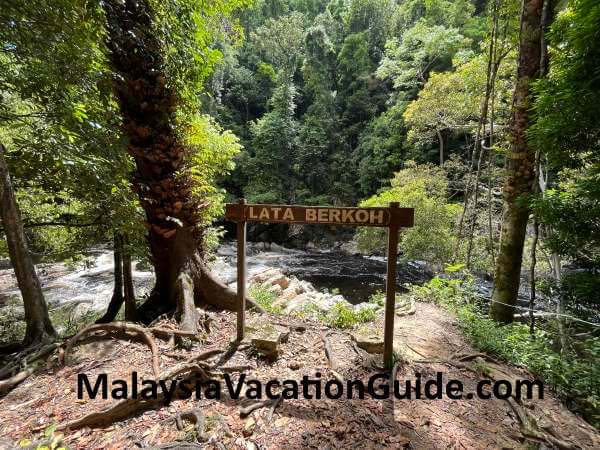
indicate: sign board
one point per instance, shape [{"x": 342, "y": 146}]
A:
[
  {"x": 392, "y": 217},
  {"x": 364, "y": 217}
]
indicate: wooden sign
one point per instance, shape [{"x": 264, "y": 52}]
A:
[
  {"x": 393, "y": 218},
  {"x": 363, "y": 217}
]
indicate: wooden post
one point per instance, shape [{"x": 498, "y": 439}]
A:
[
  {"x": 390, "y": 293},
  {"x": 241, "y": 274}
]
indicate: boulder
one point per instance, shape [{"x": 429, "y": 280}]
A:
[
  {"x": 263, "y": 276},
  {"x": 369, "y": 339},
  {"x": 276, "y": 289},
  {"x": 279, "y": 280},
  {"x": 266, "y": 336}
]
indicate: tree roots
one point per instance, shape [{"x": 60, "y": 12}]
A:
[
  {"x": 118, "y": 327},
  {"x": 18, "y": 371},
  {"x": 196, "y": 416}
]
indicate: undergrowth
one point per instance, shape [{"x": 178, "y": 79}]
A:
[
  {"x": 340, "y": 315},
  {"x": 264, "y": 297},
  {"x": 573, "y": 374}
]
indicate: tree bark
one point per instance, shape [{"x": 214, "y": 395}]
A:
[
  {"x": 520, "y": 170},
  {"x": 39, "y": 328},
  {"x": 128, "y": 290},
  {"x": 116, "y": 300},
  {"x": 441, "y": 141},
  {"x": 148, "y": 102}
]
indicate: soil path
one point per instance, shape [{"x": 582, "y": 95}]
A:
[{"x": 431, "y": 334}]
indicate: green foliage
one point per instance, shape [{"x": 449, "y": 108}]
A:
[
  {"x": 567, "y": 131},
  {"x": 450, "y": 102},
  {"x": 281, "y": 42},
  {"x": 574, "y": 374},
  {"x": 340, "y": 315},
  {"x": 265, "y": 297},
  {"x": 343, "y": 316},
  {"x": 571, "y": 208},
  {"x": 378, "y": 298},
  {"x": 12, "y": 321},
  {"x": 213, "y": 149},
  {"x": 50, "y": 440},
  {"x": 271, "y": 169},
  {"x": 422, "y": 187},
  {"x": 421, "y": 50}
]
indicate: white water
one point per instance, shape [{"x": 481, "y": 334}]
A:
[{"x": 92, "y": 285}]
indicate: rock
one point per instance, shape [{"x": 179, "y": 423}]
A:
[
  {"x": 266, "y": 336},
  {"x": 263, "y": 276},
  {"x": 249, "y": 427},
  {"x": 297, "y": 303},
  {"x": 276, "y": 289},
  {"x": 294, "y": 365},
  {"x": 369, "y": 339},
  {"x": 350, "y": 247},
  {"x": 279, "y": 280}
]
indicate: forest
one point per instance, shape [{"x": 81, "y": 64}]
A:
[{"x": 126, "y": 126}]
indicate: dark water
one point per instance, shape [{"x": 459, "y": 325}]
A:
[{"x": 355, "y": 277}]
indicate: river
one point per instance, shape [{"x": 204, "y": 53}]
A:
[{"x": 355, "y": 277}]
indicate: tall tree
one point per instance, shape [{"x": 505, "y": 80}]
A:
[
  {"x": 520, "y": 176},
  {"x": 163, "y": 177},
  {"x": 39, "y": 328}
]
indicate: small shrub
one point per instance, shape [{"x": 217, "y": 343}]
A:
[
  {"x": 574, "y": 375},
  {"x": 378, "y": 298},
  {"x": 424, "y": 188},
  {"x": 344, "y": 316},
  {"x": 262, "y": 295}
]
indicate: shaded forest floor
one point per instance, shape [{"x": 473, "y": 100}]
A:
[{"x": 431, "y": 341}]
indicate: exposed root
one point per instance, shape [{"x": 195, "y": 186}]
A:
[
  {"x": 25, "y": 368},
  {"x": 129, "y": 407},
  {"x": 246, "y": 410},
  {"x": 8, "y": 384},
  {"x": 328, "y": 351},
  {"x": 472, "y": 356},
  {"x": 209, "y": 289},
  {"x": 273, "y": 407},
  {"x": 528, "y": 428},
  {"x": 119, "y": 327},
  {"x": 206, "y": 355},
  {"x": 232, "y": 369},
  {"x": 167, "y": 333},
  {"x": 529, "y": 431},
  {"x": 196, "y": 416},
  {"x": 178, "y": 446},
  {"x": 28, "y": 359},
  {"x": 338, "y": 377},
  {"x": 185, "y": 311}
]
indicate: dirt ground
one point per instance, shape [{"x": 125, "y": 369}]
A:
[{"x": 431, "y": 342}]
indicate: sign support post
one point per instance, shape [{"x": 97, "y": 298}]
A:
[
  {"x": 390, "y": 293},
  {"x": 393, "y": 218},
  {"x": 241, "y": 273}
]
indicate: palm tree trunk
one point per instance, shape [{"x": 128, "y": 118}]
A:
[{"x": 162, "y": 180}]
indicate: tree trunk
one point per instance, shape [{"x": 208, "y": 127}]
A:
[
  {"x": 39, "y": 328},
  {"x": 116, "y": 300},
  {"x": 130, "y": 308},
  {"x": 520, "y": 171},
  {"x": 162, "y": 180},
  {"x": 441, "y": 141}
]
